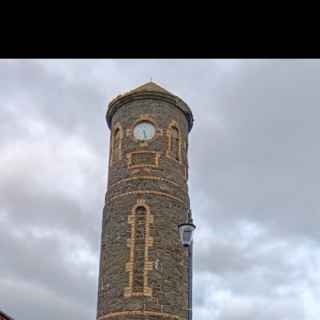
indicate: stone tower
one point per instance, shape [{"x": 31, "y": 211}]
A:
[{"x": 143, "y": 266}]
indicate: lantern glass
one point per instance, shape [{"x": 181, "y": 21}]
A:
[{"x": 186, "y": 233}]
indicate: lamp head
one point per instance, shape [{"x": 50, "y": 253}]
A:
[{"x": 186, "y": 233}]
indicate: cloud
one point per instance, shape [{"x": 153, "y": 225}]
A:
[{"x": 254, "y": 181}]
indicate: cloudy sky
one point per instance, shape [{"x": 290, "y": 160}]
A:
[{"x": 254, "y": 183}]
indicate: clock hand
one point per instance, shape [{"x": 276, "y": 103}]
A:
[{"x": 144, "y": 134}]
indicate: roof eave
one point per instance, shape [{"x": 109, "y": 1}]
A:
[{"x": 119, "y": 101}]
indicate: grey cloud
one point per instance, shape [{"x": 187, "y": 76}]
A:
[
  {"x": 253, "y": 162},
  {"x": 45, "y": 263},
  {"x": 264, "y": 163},
  {"x": 26, "y": 301},
  {"x": 41, "y": 189}
]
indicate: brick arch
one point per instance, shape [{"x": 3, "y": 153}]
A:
[
  {"x": 139, "y": 243},
  {"x": 116, "y": 143},
  {"x": 174, "y": 141}
]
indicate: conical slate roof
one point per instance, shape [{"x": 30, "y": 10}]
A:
[
  {"x": 147, "y": 87},
  {"x": 151, "y": 87}
]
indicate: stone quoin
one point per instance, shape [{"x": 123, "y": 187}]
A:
[{"x": 143, "y": 266}]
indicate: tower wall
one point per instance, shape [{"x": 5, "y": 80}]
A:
[{"x": 143, "y": 266}]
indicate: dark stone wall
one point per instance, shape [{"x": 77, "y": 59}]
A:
[{"x": 159, "y": 183}]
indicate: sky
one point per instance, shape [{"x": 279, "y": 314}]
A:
[{"x": 254, "y": 183}]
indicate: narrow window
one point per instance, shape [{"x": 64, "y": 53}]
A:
[
  {"x": 116, "y": 148},
  {"x": 139, "y": 249},
  {"x": 175, "y": 143},
  {"x": 139, "y": 242}
]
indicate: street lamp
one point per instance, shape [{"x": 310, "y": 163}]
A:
[{"x": 186, "y": 233}]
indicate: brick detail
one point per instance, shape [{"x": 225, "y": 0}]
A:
[
  {"x": 140, "y": 313},
  {"x": 116, "y": 155},
  {"x": 139, "y": 244},
  {"x": 174, "y": 125},
  {"x": 146, "y": 178},
  {"x": 142, "y": 159},
  {"x": 163, "y": 194}
]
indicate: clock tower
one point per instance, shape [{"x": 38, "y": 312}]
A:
[{"x": 143, "y": 266}]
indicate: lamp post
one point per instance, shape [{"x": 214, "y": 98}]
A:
[{"x": 186, "y": 234}]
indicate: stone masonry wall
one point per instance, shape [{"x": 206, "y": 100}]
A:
[{"x": 143, "y": 267}]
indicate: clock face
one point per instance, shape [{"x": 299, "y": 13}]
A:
[{"x": 144, "y": 131}]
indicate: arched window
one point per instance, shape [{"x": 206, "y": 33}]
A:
[
  {"x": 139, "y": 242},
  {"x": 116, "y": 144},
  {"x": 174, "y": 142}
]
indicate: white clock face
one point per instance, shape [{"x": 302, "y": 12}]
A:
[{"x": 144, "y": 131}]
